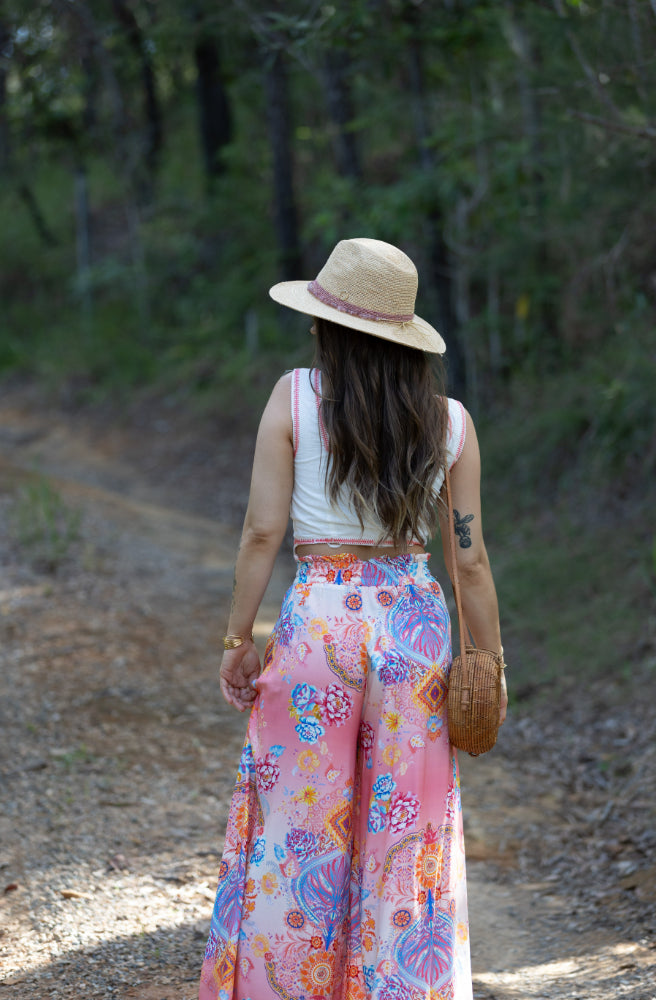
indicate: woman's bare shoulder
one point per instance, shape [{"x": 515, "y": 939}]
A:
[{"x": 278, "y": 409}]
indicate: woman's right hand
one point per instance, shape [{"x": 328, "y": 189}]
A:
[{"x": 240, "y": 668}]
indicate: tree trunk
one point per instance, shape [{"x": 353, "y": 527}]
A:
[
  {"x": 340, "y": 108},
  {"x": 463, "y": 307},
  {"x": 91, "y": 89},
  {"x": 5, "y": 38},
  {"x": 279, "y": 126},
  {"x": 215, "y": 116},
  {"x": 493, "y": 310},
  {"x": 441, "y": 287},
  {"x": 92, "y": 39},
  {"x": 140, "y": 272},
  {"x": 527, "y": 59},
  {"x": 27, "y": 196},
  {"x": 447, "y": 323},
  {"x": 153, "y": 116},
  {"x": 83, "y": 247},
  {"x": 636, "y": 38}
]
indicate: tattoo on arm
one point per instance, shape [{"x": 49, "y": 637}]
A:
[{"x": 461, "y": 525}]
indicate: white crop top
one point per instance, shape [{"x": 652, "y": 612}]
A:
[{"x": 315, "y": 517}]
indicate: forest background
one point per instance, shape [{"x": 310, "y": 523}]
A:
[{"x": 163, "y": 163}]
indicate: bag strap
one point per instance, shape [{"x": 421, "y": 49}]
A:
[{"x": 466, "y": 690}]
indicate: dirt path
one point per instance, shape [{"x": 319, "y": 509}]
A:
[{"x": 118, "y": 758}]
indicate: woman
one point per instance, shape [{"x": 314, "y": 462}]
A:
[{"x": 343, "y": 871}]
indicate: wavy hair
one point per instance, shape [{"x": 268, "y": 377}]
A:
[{"x": 386, "y": 417}]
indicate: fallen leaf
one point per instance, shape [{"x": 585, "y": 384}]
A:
[{"x": 74, "y": 894}]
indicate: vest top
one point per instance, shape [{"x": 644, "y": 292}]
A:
[{"x": 316, "y": 519}]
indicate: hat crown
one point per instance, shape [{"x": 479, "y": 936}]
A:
[{"x": 372, "y": 275}]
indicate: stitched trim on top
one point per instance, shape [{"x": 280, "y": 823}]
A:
[
  {"x": 461, "y": 442},
  {"x": 340, "y": 541},
  {"x": 316, "y": 377},
  {"x": 346, "y": 541},
  {"x": 296, "y": 375}
]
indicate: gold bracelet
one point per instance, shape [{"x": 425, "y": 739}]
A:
[{"x": 233, "y": 641}]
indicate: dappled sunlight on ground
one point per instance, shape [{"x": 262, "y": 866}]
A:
[
  {"x": 118, "y": 760},
  {"x": 612, "y": 969}
]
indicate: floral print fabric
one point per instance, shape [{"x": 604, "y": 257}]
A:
[{"x": 343, "y": 873}]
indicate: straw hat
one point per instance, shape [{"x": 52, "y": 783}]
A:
[{"x": 366, "y": 285}]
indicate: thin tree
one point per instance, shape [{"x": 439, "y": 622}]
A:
[
  {"x": 441, "y": 267},
  {"x": 152, "y": 113},
  {"x": 214, "y": 111}
]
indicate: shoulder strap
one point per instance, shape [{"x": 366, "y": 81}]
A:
[
  {"x": 456, "y": 591},
  {"x": 309, "y": 432},
  {"x": 296, "y": 405}
]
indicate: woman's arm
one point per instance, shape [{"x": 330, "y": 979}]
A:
[
  {"x": 479, "y": 598},
  {"x": 264, "y": 529}
]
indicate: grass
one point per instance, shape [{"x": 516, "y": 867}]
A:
[
  {"x": 43, "y": 525},
  {"x": 573, "y": 604},
  {"x": 568, "y": 497},
  {"x": 75, "y": 757}
]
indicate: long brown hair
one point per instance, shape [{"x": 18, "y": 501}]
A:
[{"x": 386, "y": 419}]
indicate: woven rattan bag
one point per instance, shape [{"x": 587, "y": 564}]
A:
[{"x": 475, "y": 677}]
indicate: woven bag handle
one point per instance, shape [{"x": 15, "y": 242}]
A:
[{"x": 466, "y": 690}]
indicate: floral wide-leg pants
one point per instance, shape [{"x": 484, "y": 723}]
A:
[{"x": 343, "y": 874}]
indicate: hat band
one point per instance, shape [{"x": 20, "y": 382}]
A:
[{"x": 342, "y": 305}]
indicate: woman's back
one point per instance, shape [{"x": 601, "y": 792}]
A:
[{"x": 320, "y": 521}]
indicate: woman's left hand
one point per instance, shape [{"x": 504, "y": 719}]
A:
[{"x": 240, "y": 668}]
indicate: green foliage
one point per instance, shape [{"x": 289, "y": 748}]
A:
[
  {"x": 73, "y": 758},
  {"x": 514, "y": 130},
  {"x": 563, "y": 612},
  {"x": 43, "y": 525},
  {"x": 516, "y": 126},
  {"x": 586, "y": 428}
]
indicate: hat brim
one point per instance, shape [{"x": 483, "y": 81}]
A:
[{"x": 415, "y": 333}]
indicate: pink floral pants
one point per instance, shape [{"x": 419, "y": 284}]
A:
[{"x": 343, "y": 874}]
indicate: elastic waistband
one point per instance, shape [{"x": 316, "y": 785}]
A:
[{"x": 346, "y": 568}]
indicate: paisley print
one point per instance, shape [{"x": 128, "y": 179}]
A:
[
  {"x": 322, "y": 892},
  {"x": 425, "y": 951},
  {"x": 419, "y": 624},
  {"x": 343, "y": 873}
]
